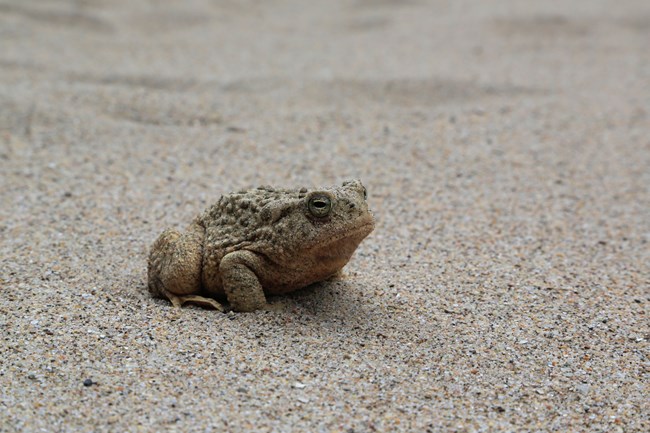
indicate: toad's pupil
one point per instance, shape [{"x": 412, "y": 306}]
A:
[{"x": 320, "y": 204}]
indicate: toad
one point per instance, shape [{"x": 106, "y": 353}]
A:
[{"x": 259, "y": 242}]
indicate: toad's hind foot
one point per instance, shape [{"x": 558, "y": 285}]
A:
[{"x": 178, "y": 301}]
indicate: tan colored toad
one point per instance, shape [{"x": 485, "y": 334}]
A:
[{"x": 257, "y": 242}]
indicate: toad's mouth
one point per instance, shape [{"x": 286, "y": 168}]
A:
[{"x": 342, "y": 246}]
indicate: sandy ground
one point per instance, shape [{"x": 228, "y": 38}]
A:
[{"x": 505, "y": 146}]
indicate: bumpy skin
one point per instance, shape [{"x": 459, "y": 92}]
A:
[{"x": 260, "y": 241}]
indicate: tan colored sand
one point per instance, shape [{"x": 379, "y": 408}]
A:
[{"x": 505, "y": 149}]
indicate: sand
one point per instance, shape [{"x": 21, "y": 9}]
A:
[{"x": 505, "y": 149}]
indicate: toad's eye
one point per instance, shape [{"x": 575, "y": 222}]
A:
[{"x": 320, "y": 206}]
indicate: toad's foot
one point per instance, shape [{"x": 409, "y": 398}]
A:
[{"x": 178, "y": 301}]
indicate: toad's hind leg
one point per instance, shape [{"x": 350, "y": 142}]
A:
[{"x": 174, "y": 267}]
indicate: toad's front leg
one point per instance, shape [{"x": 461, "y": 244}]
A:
[{"x": 242, "y": 287}]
